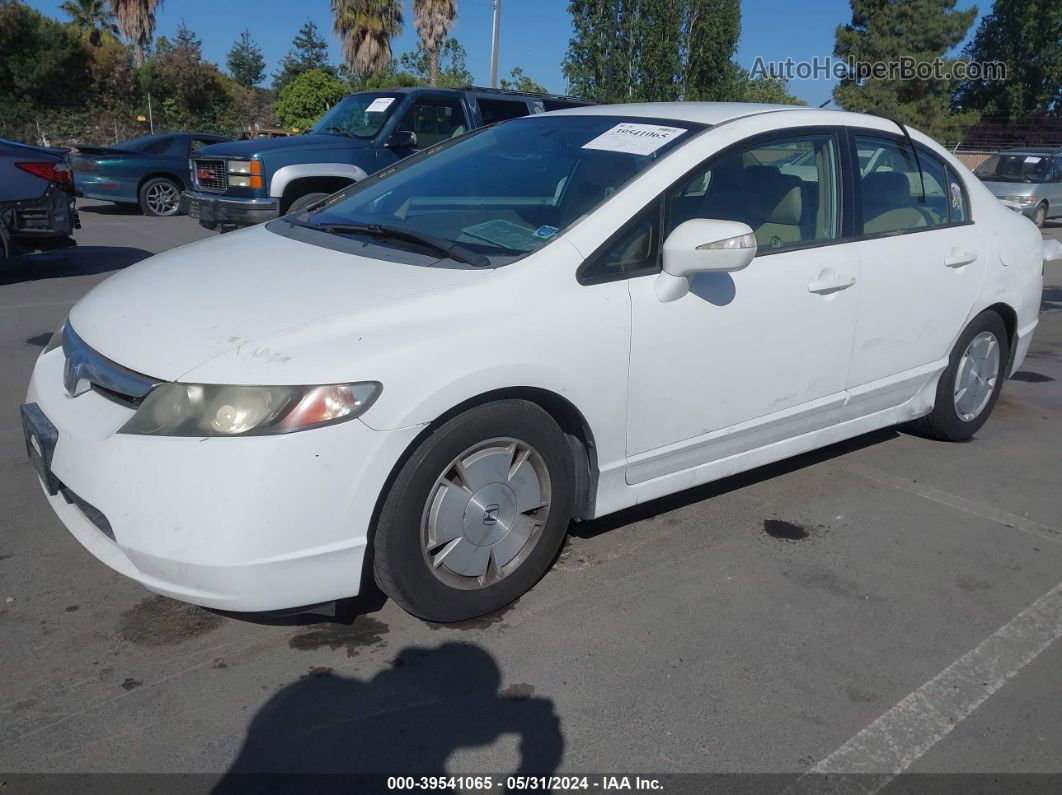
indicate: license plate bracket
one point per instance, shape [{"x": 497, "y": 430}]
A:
[{"x": 41, "y": 438}]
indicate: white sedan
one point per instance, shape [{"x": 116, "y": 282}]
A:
[{"x": 425, "y": 378}]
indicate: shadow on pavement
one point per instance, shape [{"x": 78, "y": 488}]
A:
[
  {"x": 406, "y": 720},
  {"x": 110, "y": 208},
  {"x": 74, "y": 261}
]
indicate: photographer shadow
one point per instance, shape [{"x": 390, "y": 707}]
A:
[{"x": 406, "y": 720}]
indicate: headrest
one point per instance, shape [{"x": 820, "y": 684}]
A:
[
  {"x": 886, "y": 188},
  {"x": 772, "y": 196}
]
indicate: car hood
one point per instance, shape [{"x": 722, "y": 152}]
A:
[
  {"x": 1010, "y": 188},
  {"x": 169, "y": 314},
  {"x": 263, "y": 146}
]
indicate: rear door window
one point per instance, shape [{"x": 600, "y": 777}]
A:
[
  {"x": 495, "y": 110},
  {"x": 895, "y": 196}
]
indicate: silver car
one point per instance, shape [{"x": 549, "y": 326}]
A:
[{"x": 1028, "y": 181}]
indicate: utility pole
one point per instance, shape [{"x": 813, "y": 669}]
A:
[
  {"x": 151, "y": 119},
  {"x": 494, "y": 45}
]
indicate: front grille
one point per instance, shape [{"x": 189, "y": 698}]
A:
[{"x": 210, "y": 175}]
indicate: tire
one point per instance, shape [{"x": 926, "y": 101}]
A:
[
  {"x": 429, "y": 488},
  {"x": 1040, "y": 215},
  {"x": 160, "y": 196},
  {"x": 5, "y": 245},
  {"x": 954, "y": 419},
  {"x": 305, "y": 201}
]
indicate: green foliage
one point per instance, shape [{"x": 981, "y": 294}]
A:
[
  {"x": 521, "y": 82},
  {"x": 304, "y": 99},
  {"x": 309, "y": 51},
  {"x": 194, "y": 92},
  {"x": 769, "y": 90},
  {"x": 43, "y": 62},
  {"x": 365, "y": 28},
  {"x": 91, "y": 18},
  {"x": 1026, "y": 35},
  {"x": 884, "y": 31},
  {"x": 453, "y": 73},
  {"x": 653, "y": 50},
  {"x": 245, "y": 61}
]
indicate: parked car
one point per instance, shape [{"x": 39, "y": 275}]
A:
[
  {"x": 1028, "y": 181},
  {"x": 553, "y": 318},
  {"x": 150, "y": 172},
  {"x": 248, "y": 182},
  {"x": 36, "y": 192}
]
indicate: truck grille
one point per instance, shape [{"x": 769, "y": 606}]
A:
[{"x": 210, "y": 175}]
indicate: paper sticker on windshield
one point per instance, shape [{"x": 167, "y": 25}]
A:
[
  {"x": 1031, "y": 159},
  {"x": 379, "y": 105},
  {"x": 634, "y": 139},
  {"x": 545, "y": 232}
]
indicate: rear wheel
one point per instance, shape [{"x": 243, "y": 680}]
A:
[
  {"x": 303, "y": 202},
  {"x": 1040, "y": 215},
  {"x": 477, "y": 514},
  {"x": 160, "y": 196},
  {"x": 969, "y": 387}
]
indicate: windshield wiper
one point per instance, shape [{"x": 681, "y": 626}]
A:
[{"x": 454, "y": 251}]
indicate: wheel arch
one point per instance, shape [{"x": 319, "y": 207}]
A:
[
  {"x": 570, "y": 419},
  {"x": 303, "y": 185},
  {"x": 164, "y": 174}
]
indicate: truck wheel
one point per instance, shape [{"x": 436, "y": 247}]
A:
[
  {"x": 303, "y": 202},
  {"x": 160, "y": 196}
]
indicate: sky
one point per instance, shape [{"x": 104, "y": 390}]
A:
[{"x": 534, "y": 33}]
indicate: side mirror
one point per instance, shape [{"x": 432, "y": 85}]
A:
[
  {"x": 703, "y": 245},
  {"x": 402, "y": 139}
]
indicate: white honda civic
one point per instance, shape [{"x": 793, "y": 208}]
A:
[{"x": 426, "y": 377}]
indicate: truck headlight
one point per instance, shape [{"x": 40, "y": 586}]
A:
[
  {"x": 175, "y": 409},
  {"x": 245, "y": 173}
]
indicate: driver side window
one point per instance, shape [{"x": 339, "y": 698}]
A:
[{"x": 434, "y": 119}]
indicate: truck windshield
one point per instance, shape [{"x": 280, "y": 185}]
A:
[
  {"x": 504, "y": 191},
  {"x": 357, "y": 116}
]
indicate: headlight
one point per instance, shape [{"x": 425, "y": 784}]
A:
[
  {"x": 245, "y": 166},
  {"x": 218, "y": 410},
  {"x": 1019, "y": 199},
  {"x": 56, "y": 340}
]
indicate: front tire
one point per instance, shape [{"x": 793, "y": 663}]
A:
[
  {"x": 970, "y": 385},
  {"x": 477, "y": 513},
  {"x": 160, "y": 196},
  {"x": 1040, "y": 216}
]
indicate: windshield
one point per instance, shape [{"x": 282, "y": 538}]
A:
[
  {"x": 1017, "y": 167},
  {"x": 357, "y": 116},
  {"x": 505, "y": 191}
]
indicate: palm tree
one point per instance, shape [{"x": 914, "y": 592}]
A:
[
  {"x": 90, "y": 18},
  {"x": 365, "y": 27},
  {"x": 136, "y": 18},
  {"x": 434, "y": 18}
]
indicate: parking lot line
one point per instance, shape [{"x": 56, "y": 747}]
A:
[
  {"x": 953, "y": 501},
  {"x": 893, "y": 742}
]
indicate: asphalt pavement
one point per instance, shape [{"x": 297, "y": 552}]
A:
[{"x": 886, "y": 603}]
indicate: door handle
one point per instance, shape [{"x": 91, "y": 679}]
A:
[
  {"x": 825, "y": 286},
  {"x": 956, "y": 259}
]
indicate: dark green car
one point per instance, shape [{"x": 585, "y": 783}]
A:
[{"x": 150, "y": 172}]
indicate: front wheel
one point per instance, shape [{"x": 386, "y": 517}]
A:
[
  {"x": 969, "y": 387},
  {"x": 1040, "y": 216},
  {"x": 160, "y": 196},
  {"x": 477, "y": 513}
]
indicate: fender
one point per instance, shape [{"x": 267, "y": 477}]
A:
[{"x": 286, "y": 174}]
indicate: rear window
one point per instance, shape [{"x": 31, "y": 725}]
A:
[{"x": 495, "y": 110}]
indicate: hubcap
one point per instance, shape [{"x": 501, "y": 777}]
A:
[
  {"x": 976, "y": 378},
  {"x": 485, "y": 513},
  {"x": 163, "y": 199}
]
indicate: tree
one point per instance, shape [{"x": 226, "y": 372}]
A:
[
  {"x": 309, "y": 51},
  {"x": 631, "y": 50},
  {"x": 366, "y": 27},
  {"x": 91, "y": 18},
  {"x": 44, "y": 62},
  {"x": 308, "y": 96},
  {"x": 770, "y": 89},
  {"x": 433, "y": 19},
  {"x": 449, "y": 64},
  {"x": 521, "y": 82},
  {"x": 193, "y": 90},
  {"x": 246, "y": 62},
  {"x": 1026, "y": 35},
  {"x": 136, "y": 18},
  {"x": 885, "y": 31}
]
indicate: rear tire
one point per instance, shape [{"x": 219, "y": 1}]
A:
[
  {"x": 969, "y": 387},
  {"x": 303, "y": 202},
  {"x": 465, "y": 501},
  {"x": 160, "y": 196}
]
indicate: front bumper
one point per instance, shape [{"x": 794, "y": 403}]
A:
[
  {"x": 213, "y": 210},
  {"x": 52, "y": 214},
  {"x": 251, "y": 524},
  {"x": 1028, "y": 210}
]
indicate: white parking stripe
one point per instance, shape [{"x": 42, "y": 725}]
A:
[
  {"x": 952, "y": 501},
  {"x": 893, "y": 742}
]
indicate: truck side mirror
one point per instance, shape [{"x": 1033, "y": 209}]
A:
[{"x": 402, "y": 139}]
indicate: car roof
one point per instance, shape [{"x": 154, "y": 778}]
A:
[{"x": 701, "y": 112}]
